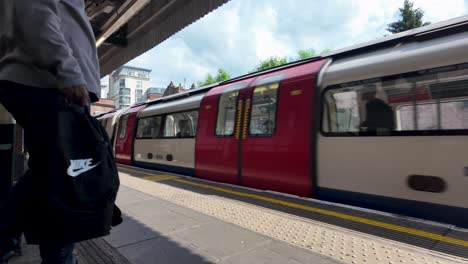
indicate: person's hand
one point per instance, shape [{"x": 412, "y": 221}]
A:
[{"x": 76, "y": 95}]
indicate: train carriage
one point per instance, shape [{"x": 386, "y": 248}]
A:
[
  {"x": 109, "y": 122},
  {"x": 415, "y": 166},
  {"x": 166, "y": 132},
  {"x": 381, "y": 125},
  {"x": 125, "y": 134}
]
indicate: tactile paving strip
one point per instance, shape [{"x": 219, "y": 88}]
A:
[
  {"x": 338, "y": 243},
  {"x": 98, "y": 251}
]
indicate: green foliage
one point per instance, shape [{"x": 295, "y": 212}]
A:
[
  {"x": 222, "y": 75},
  {"x": 208, "y": 80},
  {"x": 278, "y": 61},
  {"x": 410, "y": 18},
  {"x": 305, "y": 54},
  {"x": 271, "y": 62}
]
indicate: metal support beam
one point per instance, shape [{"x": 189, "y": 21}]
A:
[
  {"x": 120, "y": 18},
  {"x": 119, "y": 38}
]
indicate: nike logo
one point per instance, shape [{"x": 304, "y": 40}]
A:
[{"x": 78, "y": 167}]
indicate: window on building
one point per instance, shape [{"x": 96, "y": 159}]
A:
[
  {"x": 122, "y": 83},
  {"x": 139, "y": 84},
  {"x": 142, "y": 74},
  {"x": 149, "y": 127},
  {"x": 263, "y": 111},
  {"x": 138, "y": 93},
  {"x": 124, "y": 100},
  {"x": 124, "y": 91},
  {"x": 225, "y": 123},
  {"x": 123, "y": 126},
  {"x": 428, "y": 102},
  {"x": 181, "y": 125}
]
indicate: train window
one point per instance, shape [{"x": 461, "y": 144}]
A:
[
  {"x": 263, "y": 111},
  {"x": 123, "y": 127},
  {"x": 427, "y": 102},
  {"x": 453, "y": 115},
  {"x": 225, "y": 122},
  {"x": 149, "y": 127},
  {"x": 181, "y": 125}
]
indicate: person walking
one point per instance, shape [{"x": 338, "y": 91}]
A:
[{"x": 48, "y": 59}]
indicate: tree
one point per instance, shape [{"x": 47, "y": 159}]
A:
[
  {"x": 410, "y": 18},
  {"x": 325, "y": 51},
  {"x": 222, "y": 75},
  {"x": 278, "y": 61},
  {"x": 271, "y": 62},
  {"x": 305, "y": 54},
  {"x": 208, "y": 80}
]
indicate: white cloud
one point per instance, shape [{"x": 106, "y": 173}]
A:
[
  {"x": 241, "y": 33},
  {"x": 437, "y": 10}
]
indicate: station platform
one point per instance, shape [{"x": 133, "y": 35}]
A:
[{"x": 175, "y": 219}]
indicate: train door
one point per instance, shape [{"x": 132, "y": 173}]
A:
[
  {"x": 277, "y": 132},
  {"x": 217, "y": 146},
  {"x": 125, "y": 135}
]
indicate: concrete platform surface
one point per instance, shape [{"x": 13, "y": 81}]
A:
[
  {"x": 157, "y": 231},
  {"x": 166, "y": 224}
]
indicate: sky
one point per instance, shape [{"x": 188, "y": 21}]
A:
[{"x": 241, "y": 33}]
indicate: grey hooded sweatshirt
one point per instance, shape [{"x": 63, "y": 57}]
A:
[{"x": 48, "y": 44}]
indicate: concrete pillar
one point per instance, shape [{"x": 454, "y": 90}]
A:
[{"x": 7, "y": 151}]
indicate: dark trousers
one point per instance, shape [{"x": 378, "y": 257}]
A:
[{"x": 34, "y": 109}]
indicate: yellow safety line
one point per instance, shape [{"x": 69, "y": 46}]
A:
[
  {"x": 362, "y": 220},
  {"x": 162, "y": 177}
]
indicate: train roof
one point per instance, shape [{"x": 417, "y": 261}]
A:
[
  {"x": 187, "y": 93},
  {"x": 439, "y": 45},
  {"x": 436, "y": 30},
  {"x": 183, "y": 104}
]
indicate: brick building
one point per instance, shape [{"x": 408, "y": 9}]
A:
[{"x": 102, "y": 106}]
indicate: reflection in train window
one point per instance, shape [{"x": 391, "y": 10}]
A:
[
  {"x": 123, "y": 127},
  {"x": 225, "y": 122},
  {"x": 263, "y": 111},
  {"x": 149, "y": 127},
  {"x": 429, "y": 102},
  {"x": 450, "y": 115},
  {"x": 181, "y": 125},
  {"x": 169, "y": 127}
]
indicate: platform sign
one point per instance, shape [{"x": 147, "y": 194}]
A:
[{"x": 7, "y": 151}]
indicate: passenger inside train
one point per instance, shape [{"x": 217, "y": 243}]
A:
[
  {"x": 184, "y": 129},
  {"x": 379, "y": 115}
]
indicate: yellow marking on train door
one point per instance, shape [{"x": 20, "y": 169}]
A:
[
  {"x": 246, "y": 118},
  {"x": 296, "y": 92},
  {"x": 239, "y": 117},
  {"x": 362, "y": 220}
]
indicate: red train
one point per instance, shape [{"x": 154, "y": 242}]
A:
[{"x": 382, "y": 125}]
